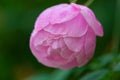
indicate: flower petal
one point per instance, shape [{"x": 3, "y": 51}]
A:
[
  {"x": 74, "y": 44},
  {"x": 54, "y": 57},
  {"x": 90, "y": 43},
  {"x": 58, "y": 54},
  {"x": 60, "y": 14},
  {"x": 63, "y": 50},
  {"x": 76, "y": 27},
  {"x": 40, "y": 37},
  {"x": 45, "y": 17},
  {"x": 71, "y": 64},
  {"x": 92, "y": 21},
  {"x": 40, "y": 52},
  {"x": 81, "y": 57}
]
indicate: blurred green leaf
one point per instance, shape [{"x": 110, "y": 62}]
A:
[
  {"x": 117, "y": 67},
  {"x": 105, "y": 59},
  {"x": 61, "y": 74},
  {"x": 77, "y": 72},
  {"x": 102, "y": 61},
  {"x": 118, "y": 57},
  {"x": 112, "y": 75},
  {"x": 43, "y": 76},
  {"x": 96, "y": 75}
]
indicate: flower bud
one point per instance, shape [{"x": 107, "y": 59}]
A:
[{"x": 64, "y": 36}]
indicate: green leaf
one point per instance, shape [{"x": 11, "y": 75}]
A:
[
  {"x": 61, "y": 74},
  {"x": 117, "y": 67},
  {"x": 105, "y": 59},
  {"x": 118, "y": 57},
  {"x": 96, "y": 75},
  {"x": 43, "y": 76},
  {"x": 102, "y": 61}
]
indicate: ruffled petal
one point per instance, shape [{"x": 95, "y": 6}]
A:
[
  {"x": 58, "y": 54},
  {"x": 45, "y": 17},
  {"x": 76, "y": 27},
  {"x": 54, "y": 57},
  {"x": 74, "y": 44},
  {"x": 92, "y": 21},
  {"x": 40, "y": 37},
  {"x": 40, "y": 52},
  {"x": 59, "y": 47},
  {"x": 60, "y": 14},
  {"x": 81, "y": 57},
  {"x": 65, "y": 52},
  {"x": 42, "y": 20},
  {"x": 90, "y": 43},
  {"x": 73, "y": 63}
]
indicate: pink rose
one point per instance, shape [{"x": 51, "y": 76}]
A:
[{"x": 64, "y": 36}]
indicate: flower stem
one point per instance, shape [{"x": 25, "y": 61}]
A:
[
  {"x": 89, "y": 2},
  {"x": 73, "y": 1},
  {"x": 116, "y": 33}
]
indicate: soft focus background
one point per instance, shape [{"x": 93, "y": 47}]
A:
[{"x": 17, "y": 19}]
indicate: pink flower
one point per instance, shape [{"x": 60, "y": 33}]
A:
[{"x": 64, "y": 36}]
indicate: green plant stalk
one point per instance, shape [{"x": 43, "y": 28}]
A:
[
  {"x": 89, "y": 2},
  {"x": 73, "y": 1},
  {"x": 116, "y": 33}
]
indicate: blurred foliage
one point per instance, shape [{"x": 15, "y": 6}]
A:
[{"x": 17, "y": 19}]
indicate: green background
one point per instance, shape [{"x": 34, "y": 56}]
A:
[{"x": 17, "y": 19}]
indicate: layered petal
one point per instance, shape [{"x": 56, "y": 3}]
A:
[
  {"x": 58, "y": 53},
  {"x": 92, "y": 21},
  {"x": 60, "y": 14},
  {"x": 81, "y": 57},
  {"x": 71, "y": 64},
  {"x": 59, "y": 47},
  {"x": 90, "y": 43},
  {"x": 48, "y": 56},
  {"x": 74, "y": 44},
  {"x": 40, "y": 37},
  {"x": 76, "y": 27},
  {"x": 55, "y": 57},
  {"x": 40, "y": 52},
  {"x": 65, "y": 52},
  {"x": 45, "y": 17}
]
